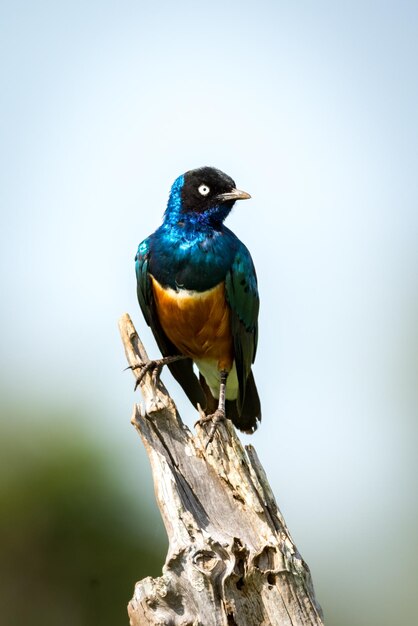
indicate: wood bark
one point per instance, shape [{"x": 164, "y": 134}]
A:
[{"x": 231, "y": 560}]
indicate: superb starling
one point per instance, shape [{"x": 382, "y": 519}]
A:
[{"x": 197, "y": 289}]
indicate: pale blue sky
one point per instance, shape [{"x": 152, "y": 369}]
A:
[{"x": 312, "y": 108}]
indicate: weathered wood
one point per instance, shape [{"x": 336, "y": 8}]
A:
[{"x": 231, "y": 559}]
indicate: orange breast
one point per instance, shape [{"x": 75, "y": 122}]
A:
[{"x": 198, "y": 324}]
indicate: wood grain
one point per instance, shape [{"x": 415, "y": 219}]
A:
[{"x": 231, "y": 559}]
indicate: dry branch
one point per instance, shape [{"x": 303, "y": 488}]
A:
[{"x": 231, "y": 559}]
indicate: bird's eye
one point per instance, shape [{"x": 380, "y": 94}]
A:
[{"x": 203, "y": 190}]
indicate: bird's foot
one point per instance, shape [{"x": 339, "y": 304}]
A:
[
  {"x": 154, "y": 366},
  {"x": 215, "y": 419}
]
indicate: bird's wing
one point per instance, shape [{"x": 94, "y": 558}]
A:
[
  {"x": 181, "y": 370},
  {"x": 143, "y": 282},
  {"x": 242, "y": 297}
]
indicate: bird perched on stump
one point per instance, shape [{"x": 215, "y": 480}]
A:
[{"x": 197, "y": 289}]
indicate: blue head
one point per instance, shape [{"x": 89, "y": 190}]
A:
[{"x": 202, "y": 197}]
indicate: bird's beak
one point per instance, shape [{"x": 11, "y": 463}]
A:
[{"x": 234, "y": 194}]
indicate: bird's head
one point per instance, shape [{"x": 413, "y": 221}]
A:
[{"x": 202, "y": 196}]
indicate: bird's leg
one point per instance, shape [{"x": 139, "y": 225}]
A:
[
  {"x": 219, "y": 415},
  {"x": 155, "y": 366}
]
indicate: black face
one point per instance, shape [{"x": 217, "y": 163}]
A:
[{"x": 202, "y": 187}]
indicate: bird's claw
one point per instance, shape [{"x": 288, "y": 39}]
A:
[
  {"x": 155, "y": 366},
  {"x": 215, "y": 419}
]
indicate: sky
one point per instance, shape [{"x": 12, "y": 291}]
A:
[{"x": 311, "y": 108}]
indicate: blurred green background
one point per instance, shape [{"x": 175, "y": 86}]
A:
[
  {"x": 310, "y": 107},
  {"x": 73, "y": 539}
]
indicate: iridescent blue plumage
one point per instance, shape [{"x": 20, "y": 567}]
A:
[{"x": 193, "y": 252}]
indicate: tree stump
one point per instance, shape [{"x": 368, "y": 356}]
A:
[{"x": 231, "y": 559}]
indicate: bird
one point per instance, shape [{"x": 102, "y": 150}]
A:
[{"x": 197, "y": 289}]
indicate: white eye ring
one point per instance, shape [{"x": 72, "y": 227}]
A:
[{"x": 204, "y": 190}]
